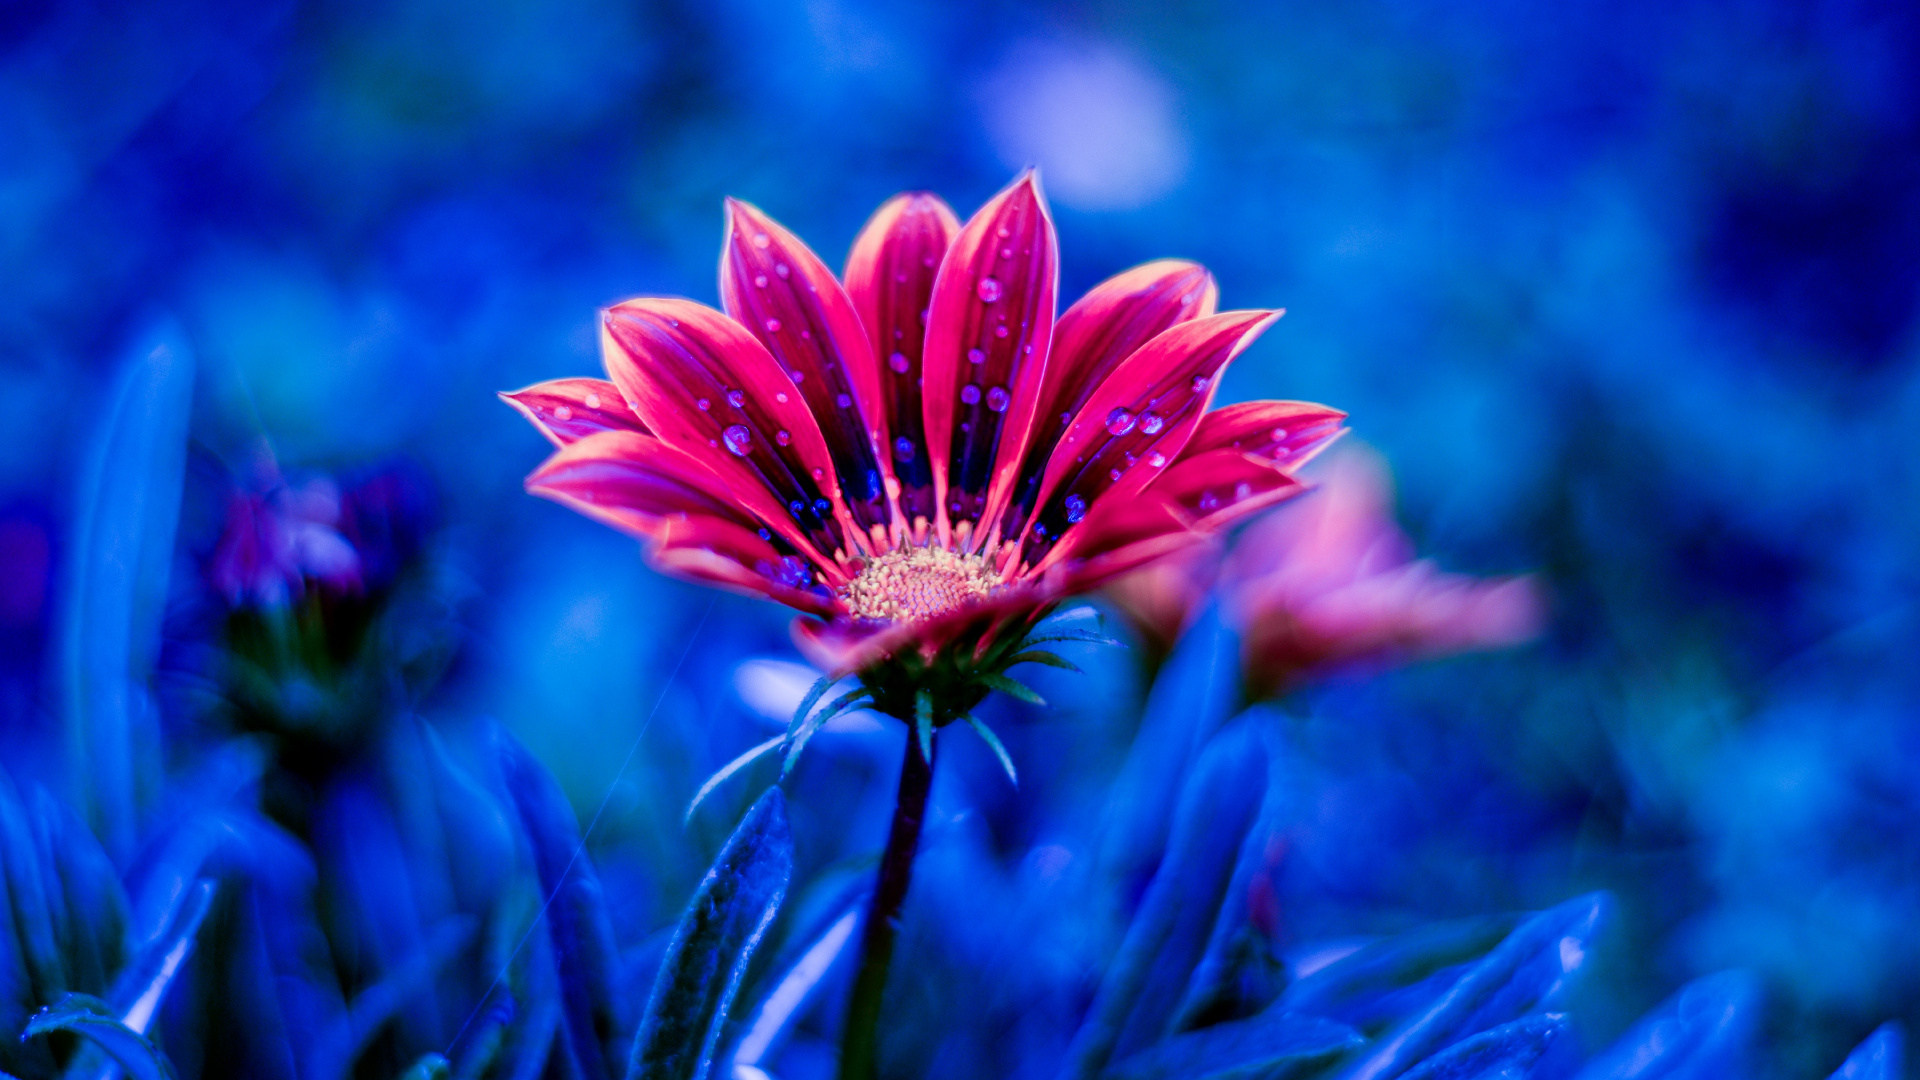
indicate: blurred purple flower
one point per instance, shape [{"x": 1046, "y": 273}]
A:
[
  {"x": 278, "y": 540},
  {"x": 1331, "y": 580}
]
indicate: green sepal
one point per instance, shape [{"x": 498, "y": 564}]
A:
[
  {"x": 923, "y": 724},
  {"x": 1011, "y": 687},
  {"x": 814, "y": 693},
  {"x": 1087, "y": 636},
  {"x": 799, "y": 738},
  {"x": 429, "y": 1067},
  {"x": 993, "y": 743},
  {"x": 728, "y": 770},
  {"x": 1041, "y": 656}
]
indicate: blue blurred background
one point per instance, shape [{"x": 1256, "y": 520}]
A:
[{"x": 1626, "y": 292}]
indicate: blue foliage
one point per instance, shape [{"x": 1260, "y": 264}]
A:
[{"x": 1627, "y": 293}]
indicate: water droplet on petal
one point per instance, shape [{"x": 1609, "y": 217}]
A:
[
  {"x": 843, "y": 401},
  {"x": 1242, "y": 490},
  {"x": 976, "y": 356},
  {"x": 998, "y": 398},
  {"x": 798, "y": 377},
  {"x": 1076, "y": 509},
  {"x": 1006, "y": 253},
  {"x": 1209, "y": 501},
  {"x": 1004, "y": 231},
  {"x": 1278, "y": 435},
  {"x": 781, "y": 398},
  {"x": 970, "y": 393},
  {"x": 703, "y": 404},
  {"x": 562, "y": 413},
  {"x": 1119, "y": 422},
  {"x": 1000, "y": 331},
  {"x": 821, "y": 506},
  {"x": 1114, "y": 475},
  {"x": 898, "y": 362},
  {"x": 1186, "y": 299},
  {"x": 1151, "y": 423},
  {"x": 1066, "y": 418},
  {"x": 783, "y": 437},
  {"x": 739, "y": 439},
  {"x": 760, "y": 240},
  {"x": 760, "y": 280},
  {"x": 903, "y": 448},
  {"x": 737, "y": 398},
  {"x": 773, "y": 326},
  {"x": 989, "y": 289},
  {"x": 819, "y": 473},
  {"x": 781, "y": 269},
  {"x": 593, "y": 401},
  {"x": 1200, "y": 384},
  {"x": 795, "y": 507},
  {"x": 1156, "y": 459},
  {"x": 766, "y": 534}
]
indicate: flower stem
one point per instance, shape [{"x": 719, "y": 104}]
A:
[{"x": 859, "y": 1041}]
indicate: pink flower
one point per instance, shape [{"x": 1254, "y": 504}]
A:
[
  {"x": 279, "y": 540},
  {"x": 1330, "y": 581},
  {"x": 922, "y": 459}
]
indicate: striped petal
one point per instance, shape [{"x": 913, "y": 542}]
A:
[
  {"x": 1100, "y": 330},
  {"x": 706, "y": 387},
  {"x": 1287, "y": 434},
  {"x": 568, "y": 410},
  {"x": 1141, "y": 528},
  {"x": 1220, "y": 487},
  {"x": 890, "y": 275},
  {"x": 1139, "y": 420},
  {"x": 988, "y": 331},
  {"x": 776, "y": 287}
]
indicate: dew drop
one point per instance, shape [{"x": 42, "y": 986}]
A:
[
  {"x": 1066, "y": 418},
  {"x": 1119, "y": 422},
  {"x": 989, "y": 289},
  {"x": 1156, "y": 459},
  {"x": 1209, "y": 501},
  {"x": 703, "y": 404},
  {"x": 898, "y": 362},
  {"x": 1242, "y": 490},
  {"x": 1200, "y": 384},
  {"x": 766, "y": 534},
  {"x": 819, "y": 473},
  {"x": 1006, "y": 253},
  {"x": 633, "y": 405},
  {"x": 998, "y": 399},
  {"x": 806, "y": 335},
  {"x": 760, "y": 280},
  {"x": 773, "y": 326},
  {"x": 593, "y": 401},
  {"x": 821, "y": 506},
  {"x": 970, "y": 394},
  {"x": 1004, "y": 231},
  {"x": 783, "y": 437},
  {"x": 760, "y": 240},
  {"x": 798, "y": 377},
  {"x": 1278, "y": 435},
  {"x": 1000, "y": 331},
  {"x": 1040, "y": 531},
  {"x": 796, "y": 507},
  {"x": 737, "y": 398},
  {"x": 739, "y": 439},
  {"x": 1151, "y": 423},
  {"x": 781, "y": 269},
  {"x": 1114, "y": 475},
  {"x": 903, "y": 448},
  {"x": 1187, "y": 299},
  {"x": 562, "y": 413},
  {"x": 923, "y": 316},
  {"x": 843, "y": 401},
  {"x": 781, "y": 398},
  {"x": 976, "y": 356},
  {"x": 1076, "y": 509}
]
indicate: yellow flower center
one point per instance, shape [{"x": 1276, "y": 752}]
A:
[{"x": 918, "y": 583}]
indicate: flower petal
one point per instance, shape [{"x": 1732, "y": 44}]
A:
[
  {"x": 890, "y": 275},
  {"x": 1113, "y": 527},
  {"x": 776, "y": 287},
  {"x": 988, "y": 331},
  {"x": 719, "y": 553},
  {"x": 1139, "y": 420},
  {"x": 633, "y": 482},
  {"x": 705, "y": 386},
  {"x": 844, "y": 646},
  {"x": 1220, "y": 487},
  {"x": 1287, "y": 434},
  {"x": 568, "y": 410},
  {"x": 1100, "y": 330}
]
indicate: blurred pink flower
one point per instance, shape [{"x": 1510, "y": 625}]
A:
[
  {"x": 1330, "y": 580},
  {"x": 279, "y": 539}
]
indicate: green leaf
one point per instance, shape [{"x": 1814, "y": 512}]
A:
[
  {"x": 799, "y": 739},
  {"x": 139, "y": 989},
  {"x": 814, "y": 694},
  {"x": 1041, "y": 656},
  {"x": 94, "y": 1019},
  {"x": 1012, "y": 687},
  {"x": 783, "y": 1006},
  {"x": 1268, "y": 1045},
  {"x": 430, "y": 1067},
  {"x": 727, "y": 770},
  {"x": 120, "y": 552},
  {"x": 707, "y": 959},
  {"x": 993, "y": 743},
  {"x": 923, "y": 724}
]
